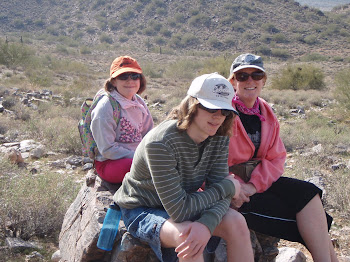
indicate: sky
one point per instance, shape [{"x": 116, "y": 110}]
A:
[{"x": 324, "y": 5}]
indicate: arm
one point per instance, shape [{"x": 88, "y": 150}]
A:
[
  {"x": 103, "y": 127},
  {"x": 210, "y": 204}
]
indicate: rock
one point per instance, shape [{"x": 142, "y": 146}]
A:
[
  {"x": 344, "y": 259},
  {"x": 37, "y": 152},
  {"x": 28, "y": 145},
  {"x": 83, "y": 222},
  {"x": 132, "y": 249},
  {"x": 87, "y": 166},
  {"x": 19, "y": 245},
  {"x": 317, "y": 149},
  {"x": 34, "y": 257},
  {"x": 264, "y": 247},
  {"x": 56, "y": 257},
  {"x": 338, "y": 166},
  {"x": 287, "y": 254},
  {"x": 74, "y": 160}
]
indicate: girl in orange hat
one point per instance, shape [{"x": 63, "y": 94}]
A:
[{"x": 117, "y": 140}]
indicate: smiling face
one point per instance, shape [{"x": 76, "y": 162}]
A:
[
  {"x": 205, "y": 124},
  {"x": 249, "y": 90},
  {"x": 127, "y": 88}
]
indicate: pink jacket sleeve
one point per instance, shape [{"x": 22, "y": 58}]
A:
[{"x": 272, "y": 152}]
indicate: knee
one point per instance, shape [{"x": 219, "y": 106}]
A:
[{"x": 234, "y": 223}]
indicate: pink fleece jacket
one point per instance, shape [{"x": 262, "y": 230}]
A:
[{"x": 272, "y": 152}]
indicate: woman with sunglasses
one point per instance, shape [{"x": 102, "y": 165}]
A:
[
  {"x": 159, "y": 197},
  {"x": 117, "y": 140},
  {"x": 278, "y": 206}
]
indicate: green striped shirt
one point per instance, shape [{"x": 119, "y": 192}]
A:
[{"x": 169, "y": 168}]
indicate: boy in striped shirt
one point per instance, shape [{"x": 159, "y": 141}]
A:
[{"x": 160, "y": 198}]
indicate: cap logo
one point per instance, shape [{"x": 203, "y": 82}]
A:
[
  {"x": 221, "y": 90},
  {"x": 249, "y": 58},
  {"x": 125, "y": 63}
]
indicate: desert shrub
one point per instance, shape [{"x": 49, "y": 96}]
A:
[
  {"x": 106, "y": 39},
  {"x": 189, "y": 39},
  {"x": 159, "y": 40},
  {"x": 183, "y": 69},
  {"x": 161, "y": 11},
  {"x": 62, "y": 49},
  {"x": 165, "y": 32},
  {"x": 199, "y": 20},
  {"x": 339, "y": 197},
  {"x": 313, "y": 57},
  {"x": 217, "y": 64},
  {"x": 312, "y": 130},
  {"x": 298, "y": 77},
  {"x": 175, "y": 40},
  {"x": 90, "y": 30},
  {"x": 342, "y": 90},
  {"x": 14, "y": 54},
  {"x": 279, "y": 38},
  {"x": 214, "y": 42},
  {"x": 279, "y": 52},
  {"x": 270, "y": 28},
  {"x": 41, "y": 77},
  {"x": 263, "y": 49},
  {"x": 33, "y": 205},
  {"x": 153, "y": 70},
  {"x": 266, "y": 38},
  {"x": 84, "y": 50},
  {"x": 123, "y": 39},
  {"x": 150, "y": 31},
  {"x": 180, "y": 18},
  {"x": 310, "y": 39},
  {"x": 59, "y": 132}
]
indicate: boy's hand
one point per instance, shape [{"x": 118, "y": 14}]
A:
[{"x": 196, "y": 237}]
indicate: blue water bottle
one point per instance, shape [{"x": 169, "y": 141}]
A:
[{"x": 109, "y": 228}]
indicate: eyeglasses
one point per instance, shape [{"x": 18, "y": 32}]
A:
[
  {"x": 243, "y": 76},
  {"x": 224, "y": 112},
  {"x": 125, "y": 76}
]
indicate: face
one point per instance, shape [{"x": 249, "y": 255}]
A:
[
  {"x": 127, "y": 88},
  {"x": 250, "y": 89},
  {"x": 205, "y": 124}
]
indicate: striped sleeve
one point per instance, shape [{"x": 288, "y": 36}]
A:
[{"x": 210, "y": 204}]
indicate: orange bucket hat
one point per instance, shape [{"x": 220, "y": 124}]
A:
[{"x": 123, "y": 64}]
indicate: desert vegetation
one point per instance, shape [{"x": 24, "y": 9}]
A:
[{"x": 308, "y": 87}]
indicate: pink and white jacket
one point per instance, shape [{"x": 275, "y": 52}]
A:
[{"x": 272, "y": 152}]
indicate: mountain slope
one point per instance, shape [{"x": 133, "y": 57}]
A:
[{"x": 280, "y": 28}]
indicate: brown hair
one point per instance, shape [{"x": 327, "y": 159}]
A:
[
  {"x": 109, "y": 87},
  {"x": 186, "y": 112}
]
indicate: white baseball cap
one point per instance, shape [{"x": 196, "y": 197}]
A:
[{"x": 213, "y": 91}]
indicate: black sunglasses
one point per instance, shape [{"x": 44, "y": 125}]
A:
[
  {"x": 243, "y": 76},
  {"x": 224, "y": 112},
  {"x": 125, "y": 76}
]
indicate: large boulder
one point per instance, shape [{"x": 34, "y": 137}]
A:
[{"x": 83, "y": 222}]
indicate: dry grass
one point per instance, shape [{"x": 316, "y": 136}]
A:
[{"x": 322, "y": 123}]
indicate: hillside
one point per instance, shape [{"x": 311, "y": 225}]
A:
[
  {"x": 278, "y": 28},
  {"x": 54, "y": 54}
]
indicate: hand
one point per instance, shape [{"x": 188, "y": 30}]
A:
[
  {"x": 196, "y": 237},
  {"x": 236, "y": 183},
  {"x": 247, "y": 190}
]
